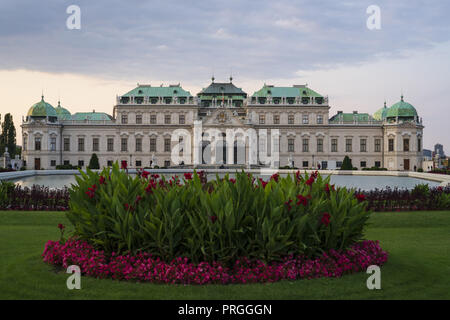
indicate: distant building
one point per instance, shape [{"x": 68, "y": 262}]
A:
[
  {"x": 439, "y": 149},
  {"x": 427, "y": 154}
]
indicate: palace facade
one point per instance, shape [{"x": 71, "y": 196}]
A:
[{"x": 148, "y": 122}]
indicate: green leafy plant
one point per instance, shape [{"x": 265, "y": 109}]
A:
[
  {"x": 347, "y": 164},
  {"x": 218, "y": 220}
]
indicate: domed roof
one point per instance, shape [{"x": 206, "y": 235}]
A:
[
  {"x": 42, "y": 109},
  {"x": 380, "y": 114},
  {"x": 401, "y": 109},
  {"x": 63, "y": 113}
]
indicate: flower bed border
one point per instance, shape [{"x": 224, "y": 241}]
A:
[{"x": 145, "y": 268}]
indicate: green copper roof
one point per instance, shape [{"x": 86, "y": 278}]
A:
[
  {"x": 401, "y": 109},
  {"x": 380, "y": 114},
  {"x": 219, "y": 89},
  {"x": 149, "y": 91},
  {"x": 63, "y": 113},
  {"x": 350, "y": 117},
  {"x": 42, "y": 109},
  {"x": 278, "y": 92},
  {"x": 96, "y": 116}
]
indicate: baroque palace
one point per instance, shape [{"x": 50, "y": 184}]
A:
[{"x": 142, "y": 127}]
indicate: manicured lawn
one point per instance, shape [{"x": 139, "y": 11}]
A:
[{"x": 418, "y": 266}]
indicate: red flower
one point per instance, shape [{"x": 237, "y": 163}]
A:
[
  {"x": 288, "y": 204},
  {"x": 213, "y": 219},
  {"x": 361, "y": 197},
  {"x": 61, "y": 226},
  {"x": 275, "y": 177},
  {"x": 263, "y": 183},
  {"x": 155, "y": 176},
  {"x": 298, "y": 176},
  {"x": 128, "y": 207},
  {"x": 310, "y": 181},
  {"x": 233, "y": 181},
  {"x": 124, "y": 165},
  {"x": 302, "y": 200},
  {"x": 325, "y": 218},
  {"x": 102, "y": 180},
  {"x": 145, "y": 174},
  {"x": 90, "y": 193},
  {"x": 138, "y": 198},
  {"x": 188, "y": 176},
  {"x": 151, "y": 185}
]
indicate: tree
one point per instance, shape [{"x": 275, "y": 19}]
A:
[
  {"x": 347, "y": 164},
  {"x": 8, "y": 136},
  {"x": 93, "y": 163}
]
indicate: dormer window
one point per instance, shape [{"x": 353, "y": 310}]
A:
[{"x": 140, "y": 91}]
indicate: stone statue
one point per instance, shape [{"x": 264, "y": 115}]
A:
[
  {"x": 291, "y": 160},
  {"x": 153, "y": 160},
  {"x": 6, "y": 159}
]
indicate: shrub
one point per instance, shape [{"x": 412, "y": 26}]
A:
[
  {"x": 420, "y": 170},
  {"x": 93, "y": 162},
  {"x": 66, "y": 167},
  {"x": 374, "y": 169},
  {"x": 212, "y": 221},
  {"x": 347, "y": 164}
]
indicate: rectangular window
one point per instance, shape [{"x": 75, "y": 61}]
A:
[
  {"x": 167, "y": 145},
  {"x": 378, "y": 164},
  {"x": 66, "y": 144},
  {"x": 377, "y": 145},
  {"x": 110, "y": 144},
  {"x": 138, "y": 144},
  {"x": 181, "y": 119},
  {"x": 419, "y": 144},
  {"x": 124, "y": 144},
  {"x": 363, "y": 145},
  {"x": 305, "y": 145},
  {"x": 405, "y": 144},
  {"x": 262, "y": 119},
  {"x": 305, "y": 119},
  {"x": 66, "y": 162},
  {"x": 81, "y": 144},
  {"x": 139, "y": 119},
  {"x": 334, "y": 145},
  {"x": 291, "y": 119},
  {"x": 363, "y": 164},
  {"x": 52, "y": 143},
  {"x": 81, "y": 163},
  {"x": 319, "y": 145},
  {"x": 276, "y": 119},
  {"x": 109, "y": 163},
  {"x": 153, "y": 119},
  {"x": 24, "y": 145},
  {"x": 124, "y": 119},
  {"x": 305, "y": 164},
  {"x": 37, "y": 143},
  {"x": 319, "y": 119},
  {"x": 138, "y": 163},
  {"x": 166, "y": 163},
  {"x": 152, "y": 144},
  {"x": 52, "y": 163},
  {"x": 391, "y": 145},
  {"x": 95, "y": 144},
  {"x": 338, "y": 164},
  {"x": 348, "y": 145},
  {"x": 167, "y": 118},
  {"x": 290, "y": 145}
]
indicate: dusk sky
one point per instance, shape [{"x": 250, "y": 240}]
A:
[{"x": 325, "y": 44}]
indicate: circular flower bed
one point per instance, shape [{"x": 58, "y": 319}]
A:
[{"x": 144, "y": 267}]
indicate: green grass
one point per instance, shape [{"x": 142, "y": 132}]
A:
[{"x": 418, "y": 266}]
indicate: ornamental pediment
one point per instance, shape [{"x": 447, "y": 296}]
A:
[{"x": 222, "y": 117}]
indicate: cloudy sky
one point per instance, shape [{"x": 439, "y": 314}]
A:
[{"x": 323, "y": 43}]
